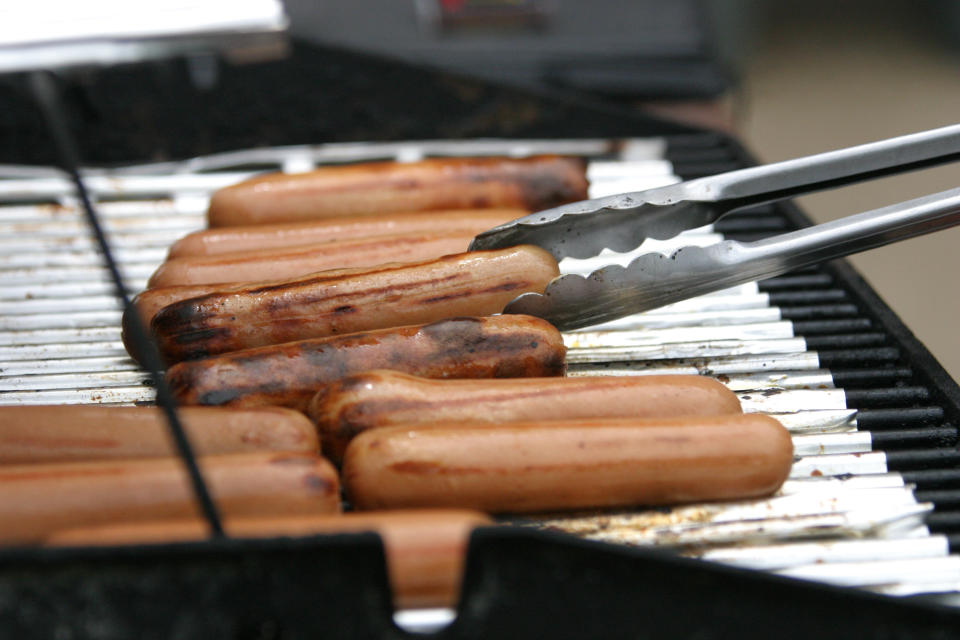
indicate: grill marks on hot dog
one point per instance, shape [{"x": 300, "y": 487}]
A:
[
  {"x": 290, "y": 374},
  {"x": 534, "y": 183},
  {"x": 59, "y": 433},
  {"x": 328, "y": 303},
  {"x": 571, "y": 464},
  {"x": 374, "y": 399},
  {"x": 147, "y": 304}
]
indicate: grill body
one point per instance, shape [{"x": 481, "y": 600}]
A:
[{"x": 862, "y": 396}]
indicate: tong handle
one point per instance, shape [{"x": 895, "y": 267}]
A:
[
  {"x": 771, "y": 182},
  {"x": 849, "y": 235}
]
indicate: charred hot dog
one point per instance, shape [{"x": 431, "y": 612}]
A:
[
  {"x": 330, "y": 303},
  {"x": 507, "y": 346}
]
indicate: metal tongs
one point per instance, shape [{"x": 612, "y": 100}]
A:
[{"x": 622, "y": 222}]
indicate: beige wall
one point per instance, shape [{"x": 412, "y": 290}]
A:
[{"x": 829, "y": 75}]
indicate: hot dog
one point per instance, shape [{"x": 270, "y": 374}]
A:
[
  {"x": 221, "y": 240},
  {"x": 372, "y": 399},
  {"x": 39, "y": 499},
  {"x": 89, "y": 432},
  {"x": 377, "y": 188},
  {"x": 293, "y": 262},
  {"x": 148, "y": 304},
  {"x": 330, "y": 303},
  {"x": 424, "y": 549},
  {"x": 507, "y": 346},
  {"x": 572, "y": 464}
]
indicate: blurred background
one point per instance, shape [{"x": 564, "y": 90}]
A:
[
  {"x": 818, "y": 75},
  {"x": 786, "y": 78}
]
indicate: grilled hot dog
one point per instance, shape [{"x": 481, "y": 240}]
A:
[
  {"x": 376, "y": 188},
  {"x": 293, "y": 262},
  {"x": 38, "y": 499},
  {"x": 507, "y": 346},
  {"x": 424, "y": 549},
  {"x": 90, "y": 432},
  {"x": 149, "y": 303},
  {"x": 329, "y": 303},
  {"x": 372, "y": 399},
  {"x": 571, "y": 464},
  {"x": 210, "y": 242}
]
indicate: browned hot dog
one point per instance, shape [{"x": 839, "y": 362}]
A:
[
  {"x": 376, "y": 188},
  {"x": 39, "y": 499},
  {"x": 293, "y": 262},
  {"x": 425, "y": 549},
  {"x": 572, "y": 464},
  {"x": 90, "y": 432},
  {"x": 325, "y": 304},
  {"x": 149, "y": 303},
  {"x": 221, "y": 240},
  {"x": 372, "y": 399},
  {"x": 507, "y": 346}
]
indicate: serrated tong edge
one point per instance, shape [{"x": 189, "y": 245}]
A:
[{"x": 654, "y": 279}]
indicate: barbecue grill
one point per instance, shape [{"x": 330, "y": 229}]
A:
[{"x": 871, "y": 508}]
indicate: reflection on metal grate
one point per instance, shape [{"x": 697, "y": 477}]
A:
[{"x": 873, "y": 498}]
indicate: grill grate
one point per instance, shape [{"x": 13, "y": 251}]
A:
[{"x": 808, "y": 348}]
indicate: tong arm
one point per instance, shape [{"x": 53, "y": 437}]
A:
[
  {"x": 771, "y": 182},
  {"x": 654, "y": 280},
  {"x": 622, "y": 222}
]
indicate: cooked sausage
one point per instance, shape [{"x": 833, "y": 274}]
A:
[
  {"x": 329, "y": 303},
  {"x": 90, "y": 432},
  {"x": 372, "y": 399},
  {"x": 425, "y": 549},
  {"x": 39, "y": 499},
  {"x": 293, "y": 262},
  {"x": 148, "y": 303},
  {"x": 507, "y": 346},
  {"x": 210, "y": 242},
  {"x": 571, "y": 464},
  {"x": 383, "y": 187}
]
